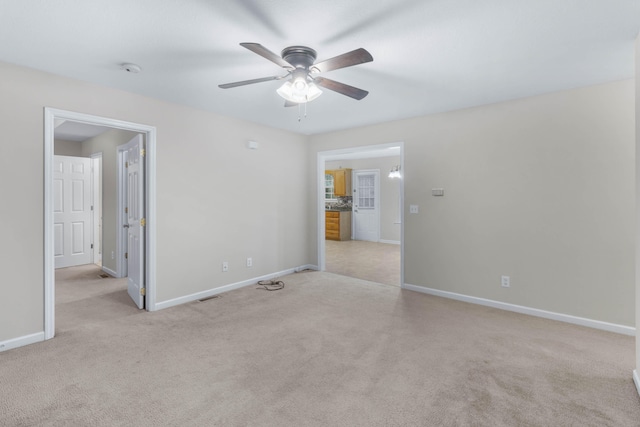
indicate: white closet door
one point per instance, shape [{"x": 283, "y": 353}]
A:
[{"x": 72, "y": 211}]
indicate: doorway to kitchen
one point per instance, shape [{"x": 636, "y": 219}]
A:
[{"x": 360, "y": 230}]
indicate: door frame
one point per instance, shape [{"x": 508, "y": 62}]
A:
[
  {"x": 51, "y": 117},
  {"x": 322, "y": 158},
  {"x": 376, "y": 172},
  {"x": 96, "y": 202}
]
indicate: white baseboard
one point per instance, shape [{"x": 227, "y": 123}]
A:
[
  {"x": 307, "y": 267},
  {"x": 109, "y": 271},
  {"x": 391, "y": 242},
  {"x": 227, "y": 288},
  {"x": 636, "y": 380},
  {"x": 596, "y": 324},
  {"x": 21, "y": 341}
]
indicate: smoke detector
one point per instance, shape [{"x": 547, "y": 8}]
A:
[{"x": 131, "y": 68}]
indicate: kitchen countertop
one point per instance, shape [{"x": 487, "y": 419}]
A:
[{"x": 338, "y": 210}]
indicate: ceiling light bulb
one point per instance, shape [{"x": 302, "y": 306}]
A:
[
  {"x": 299, "y": 91},
  {"x": 300, "y": 85}
]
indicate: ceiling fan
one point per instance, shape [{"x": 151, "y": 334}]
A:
[{"x": 303, "y": 84}]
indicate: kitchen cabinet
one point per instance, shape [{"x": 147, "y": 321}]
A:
[
  {"x": 337, "y": 225},
  {"x": 341, "y": 181}
]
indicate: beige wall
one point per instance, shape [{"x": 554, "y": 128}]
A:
[
  {"x": 540, "y": 189},
  {"x": 107, "y": 143},
  {"x": 216, "y": 199},
  {"x": 389, "y": 191},
  {"x": 67, "y": 148},
  {"x": 637, "y": 112}
]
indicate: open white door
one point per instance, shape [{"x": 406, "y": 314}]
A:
[
  {"x": 366, "y": 205},
  {"x": 72, "y": 231},
  {"x": 134, "y": 175}
]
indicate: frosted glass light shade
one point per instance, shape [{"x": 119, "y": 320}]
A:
[
  {"x": 395, "y": 172},
  {"x": 299, "y": 91}
]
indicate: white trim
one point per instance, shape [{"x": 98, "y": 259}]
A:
[
  {"x": 307, "y": 267},
  {"x": 49, "y": 260},
  {"x": 150, "y": 208},
  {"x": 109, "y": 271},
  {"x": 324, "y": 156},
  {"x": 50, "y": 117},
  {"x": 226, "y": 288},
  {"x": 21, "y": 341},
  {"x": 96, "y": 214},
  {"x": 390, "y": 242},
  {"x": 636, "y": 380},
  {"x": 567, "y": 318}
]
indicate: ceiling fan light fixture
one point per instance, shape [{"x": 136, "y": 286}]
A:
[
  {"x": 299, "y": 91},
  {"x": 395, "y": 172}
]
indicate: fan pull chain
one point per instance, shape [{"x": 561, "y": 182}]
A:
[{"x": 300, "y": 111}]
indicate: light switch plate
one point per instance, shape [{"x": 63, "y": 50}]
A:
[{"x": 413, "y": 209}]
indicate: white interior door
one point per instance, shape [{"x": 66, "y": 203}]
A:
[
  {"x": 72, "y": 231},
  {"x": 366, "y": 205},
  {"x": 135, "y": 221}
]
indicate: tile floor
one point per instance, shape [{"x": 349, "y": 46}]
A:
[{"x": 377, "y": 262}]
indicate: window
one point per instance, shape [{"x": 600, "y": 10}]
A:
[
  {"x": 366, "y": 191},
  {"x": 328, "y": 187}
]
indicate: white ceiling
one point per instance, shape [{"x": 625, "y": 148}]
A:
[
  {"x": 429, "y": 55},
  {"x": 78, "y": 132}
]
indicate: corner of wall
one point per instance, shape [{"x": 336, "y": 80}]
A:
[{"x": 637, "y": 112}]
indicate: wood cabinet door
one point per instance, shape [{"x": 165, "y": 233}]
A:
[{"x": 339, "y": 182}]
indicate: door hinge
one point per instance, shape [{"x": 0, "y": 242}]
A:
[
  {"x": 92, "y": 246},
  {"x": 126, "y": 255},
  {"x": 91, "y": 207},
  {"x": 126, "y": 210},
  {"x": 126, "y": 164},
  {"x": 143, "y": 291},
  {"x": 142, "y": 152},
  {"x": 143, "y": 222}
]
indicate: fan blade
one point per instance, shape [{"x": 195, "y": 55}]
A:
[
  {"x": 289, "y": 104},
  {"x": 355, "y": 57},
  {"x": 266, "y": 53},
  {"x": 250, "y": 82},
  {"x": 350, "y": 91}
]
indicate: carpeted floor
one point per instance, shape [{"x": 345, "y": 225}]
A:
[
  {"x": 377, "y": 262},
  {"x": 325, "y": 351}
]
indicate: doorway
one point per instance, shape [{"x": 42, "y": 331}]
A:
[
  {"x": 52, "y": 118},
  {"x": 368, "y": 249}
]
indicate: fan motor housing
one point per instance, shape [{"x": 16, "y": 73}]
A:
[{"x": 299, "y": 56}]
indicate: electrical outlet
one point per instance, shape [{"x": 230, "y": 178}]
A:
[
  {"x": 249, "y": 262},
  {"x": 113, "y": 255},
  {"x": 505, "y": 281},
  {"x": 413, "y": 209},
  {"x": 225, "y": 266}
]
